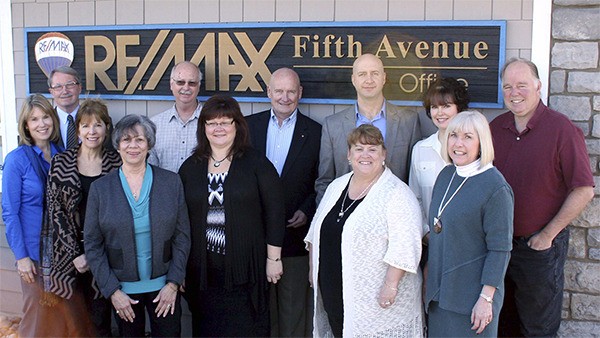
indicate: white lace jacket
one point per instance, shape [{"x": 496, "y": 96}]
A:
[{"x": 385, "y": 229}]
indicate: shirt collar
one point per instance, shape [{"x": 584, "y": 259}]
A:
[
  {"x": 195, "y": 115},
  {"x": 291, "y": 119},
  {"x": 62, "y": 115},
  {"x": 381, "y": 115},
  {"x": 533, "y": 121},
  {"x": 40, "y": 153}
]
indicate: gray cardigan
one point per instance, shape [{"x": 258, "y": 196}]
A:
[
  {"x": 109, "y": 238},
  {"x": 474, "y": 245}
]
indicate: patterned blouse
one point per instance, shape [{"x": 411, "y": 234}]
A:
[{"x": 215, "y": 219}]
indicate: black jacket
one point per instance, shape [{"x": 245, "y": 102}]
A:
[
  {"x": 298, "y": 176},
  {"x": 254, "y": 218}
]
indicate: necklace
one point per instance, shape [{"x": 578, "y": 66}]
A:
[
  {"x": 342, "y": 210},
  {"x": 135, "y": 182},
  {"x": 217, "y": 163},
  {"x": 437, "y": 222}
]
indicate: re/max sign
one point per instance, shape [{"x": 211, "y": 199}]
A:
[{"x": 134, "y": 62}]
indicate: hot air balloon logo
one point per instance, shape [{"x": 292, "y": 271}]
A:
[{"x": 53, "y": 50}]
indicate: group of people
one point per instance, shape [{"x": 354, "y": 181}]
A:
[{"x": 275, "y": 225}]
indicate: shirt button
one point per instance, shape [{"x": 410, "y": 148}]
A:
[{"x": 518, "y": 138}]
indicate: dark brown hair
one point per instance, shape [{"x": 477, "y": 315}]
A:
[
  {"x": 446, "y": 90},
  {"x": 222, "y": 106}
]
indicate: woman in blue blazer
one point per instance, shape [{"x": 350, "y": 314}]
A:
[{"x": 23, "y": 196}]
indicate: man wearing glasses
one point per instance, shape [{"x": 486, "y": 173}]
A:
[
  {"x": 176, "y": 127},
  {"x": 65, "y": 86}
]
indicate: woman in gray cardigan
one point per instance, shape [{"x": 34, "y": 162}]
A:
[
  {"x": 471, "y": 217},
  {"x": 136, "y": 235}
]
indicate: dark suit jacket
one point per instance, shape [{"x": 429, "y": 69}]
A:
[
  {"x": 109, "y": 238},
  {"x": 299, "y": 173}
]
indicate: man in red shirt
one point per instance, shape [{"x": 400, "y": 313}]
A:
[{"x": 543, "y": 156}]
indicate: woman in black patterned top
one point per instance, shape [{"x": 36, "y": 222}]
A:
[
  {"x": 64, "y": 266},
  {"x": 235, "y": 204}
]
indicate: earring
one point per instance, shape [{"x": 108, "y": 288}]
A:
[
  {"x": 349, "y": 162},
  {"x": 383, "y": 163}
]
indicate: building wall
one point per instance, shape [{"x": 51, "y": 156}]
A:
[
  {"x": 575, "y": 91},
  {"x": 574, "y": 86}
]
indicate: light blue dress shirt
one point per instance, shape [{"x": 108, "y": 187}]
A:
[
  {"x": 378, "y": 121},
  {"x": 279, "y": 139}
]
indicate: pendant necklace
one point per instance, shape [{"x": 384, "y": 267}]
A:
[
  {"x": 217, "y": 163},
  {"x": 342, "y": 210},
  {"x": 437, "y": 222}
]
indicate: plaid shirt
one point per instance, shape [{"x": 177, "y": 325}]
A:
[{"x": 175, "y": 140}]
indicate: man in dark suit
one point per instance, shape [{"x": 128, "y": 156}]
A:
[
  {"x": 291, "y": 142},
  {"x": 400, "y": 126},
  {"x": 64, "y": 85}
]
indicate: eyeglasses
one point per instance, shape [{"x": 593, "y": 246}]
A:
[
  {"x": 183, "y": 82},
  {"x": 68, "y": 85},
  {"x": 213, "y": 125}
]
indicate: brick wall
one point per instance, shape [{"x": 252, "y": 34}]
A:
[{"x": 575, "y": 91}]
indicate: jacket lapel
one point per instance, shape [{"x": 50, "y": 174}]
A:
[
  {"x": 298, "y": 140},
  {"x": 391, "y": 129}
]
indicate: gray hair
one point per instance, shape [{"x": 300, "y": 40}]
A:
[
  {"x": 128, "y": 124},
  {"x": 64, "y": 70},
  {"x": 532, "y": 67}
]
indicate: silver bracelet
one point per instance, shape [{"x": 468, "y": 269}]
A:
[
  {"x": 389, "y": 286},
  {"x": 486, "y": 297}
]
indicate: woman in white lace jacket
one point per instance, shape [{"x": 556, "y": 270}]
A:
[{"x": 377, "y": 254}]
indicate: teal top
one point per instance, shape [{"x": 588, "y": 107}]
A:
[{"x": 140, "y": 210}]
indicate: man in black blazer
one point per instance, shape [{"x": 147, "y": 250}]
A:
[
  {"x": 291, "y": 141},
  {"x": 65, "y": 86}
]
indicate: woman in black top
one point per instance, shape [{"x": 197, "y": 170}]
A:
[{"x": 235, "y": 204}]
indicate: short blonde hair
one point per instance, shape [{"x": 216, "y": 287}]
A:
[
  {"x": 472, "y": 120},
  {"x": 31, "y": 102}
]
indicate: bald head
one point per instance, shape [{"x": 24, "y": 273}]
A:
[
  {"x": 287, "y": 74},
  {"x": 285, "y": 91},
  {"x": 185, "y": 82},
  {"x": 368, "y": 78},
  {"x": 367, "y": 58}
]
